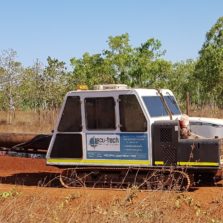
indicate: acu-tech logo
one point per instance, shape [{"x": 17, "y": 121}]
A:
[
  {"x": 103, "y": 142},
  {"x": 93, "y": 142}
]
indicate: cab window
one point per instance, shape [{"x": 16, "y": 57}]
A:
[
  {"x": 71, "y": 117},
  {"x": 132, "y": 118},
  {"x": 100, "y": 113}
]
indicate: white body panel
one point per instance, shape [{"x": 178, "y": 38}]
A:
[
  {"x": 103, "y": 139},
  {"x": 206, "y": 127}
]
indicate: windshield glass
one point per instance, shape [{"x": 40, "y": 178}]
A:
[
  {"x": 170, "y": 100},
  {"x": 156, "y": 108}
]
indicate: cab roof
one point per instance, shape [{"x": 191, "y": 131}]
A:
[{"x": 138, "y": 91}]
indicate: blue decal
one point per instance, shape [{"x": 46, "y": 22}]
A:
[{"x": 130, "y": 147}]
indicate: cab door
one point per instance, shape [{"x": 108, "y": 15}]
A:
[{"x": 67, "y": 138}]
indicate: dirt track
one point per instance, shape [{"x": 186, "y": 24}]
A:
[
  {"x": 33, "y": 178},
  {"x": 34, "y": 172}
]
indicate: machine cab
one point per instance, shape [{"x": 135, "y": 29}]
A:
[{"x": 109, "y": 126}]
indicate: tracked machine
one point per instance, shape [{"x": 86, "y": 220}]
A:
[{"x": 117, "y": 137}]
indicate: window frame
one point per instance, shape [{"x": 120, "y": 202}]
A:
[
  {"x": 114, "y": 127},
  {"x": 80, "y": 128},
  {"x": 145, "y": 121}
]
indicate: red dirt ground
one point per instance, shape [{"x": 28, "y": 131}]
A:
[
  {"x": 11, "y": 165},
  {"x": 31, "y": 172},
  {"x": 32, "y": 176}
]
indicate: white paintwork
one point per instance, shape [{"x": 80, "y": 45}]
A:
[
  {"x": 206, "y": 127},
  {"x": 109, "y": 92},
  {"x": 110, "y": 86}
]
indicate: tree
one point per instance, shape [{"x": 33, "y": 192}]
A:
[
  {"x": 32, "y": 87},
  {"x": 120, "y": 58},
  {"x": 209, "y": 69},
  {"x": 120, "y": 63},
  {"x": 11, "y": 71},
  {"x": 181, "y": 79},
  {"x": 91, "y": 70},
  {"x": 113, "y": 65},
  {"x": 55, "y": 83},
  {"x": 149, "y": 69},
  {"x": 43, "y": 88}
]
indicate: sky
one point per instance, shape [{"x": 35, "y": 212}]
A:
[{"x": 64, "y": 29}]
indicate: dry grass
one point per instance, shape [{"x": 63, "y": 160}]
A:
[
  {"x": 79, "y": 206},
  {"x": 206, "y": 111},
  {"x": 44, "y": 121},
  {"x": 28, "y": 121}
]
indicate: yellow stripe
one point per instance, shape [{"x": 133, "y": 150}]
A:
[
  {"x": 198, "y": 164},
  {"x": 190, "y": 163},
  {"x": 159, "y": 162},
  {"x": 139, "y": 162}
]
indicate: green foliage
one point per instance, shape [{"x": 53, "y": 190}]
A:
[
  {"x": 119, "y": 57},
  {"x": 148, "y": 69},
  {"x": 10, "y": 70},
  {"x": 120, "y": 63},
  {"x": 90, "y": 70},
  {"x": 55, "y": 83},
  {"x": 181, "y": 79},
  {"x": 40, "y": 87},
  {"x": 209, "y": 69},
  {"x": 34, "y": 87},
  {"x": 31, "y": 87}
]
